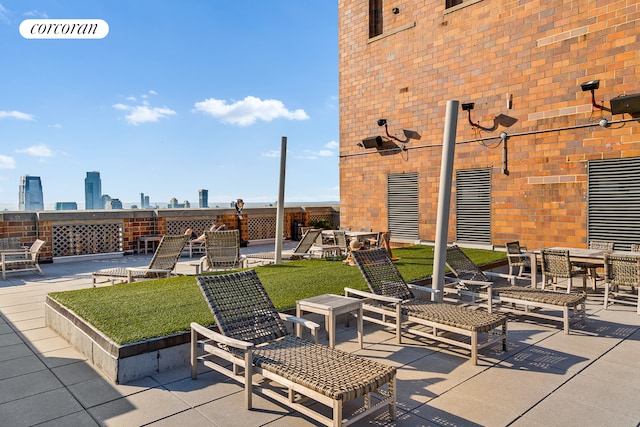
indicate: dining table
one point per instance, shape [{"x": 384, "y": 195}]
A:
[{"x": 576, "y": 255}]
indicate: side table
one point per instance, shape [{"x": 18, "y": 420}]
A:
[
  {"x": 154, "y": 240},
  {"x": 330, "y": 306}
]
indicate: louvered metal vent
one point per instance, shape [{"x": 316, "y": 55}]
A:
[
  {"x": 402, "y": 204},
  {"x": 614, "y": 201},
  {"x": 473, "y": 206}
]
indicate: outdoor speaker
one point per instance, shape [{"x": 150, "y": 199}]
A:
[
  {"x": 372, "y": 141},
  {"x": 625, "y": 104}
]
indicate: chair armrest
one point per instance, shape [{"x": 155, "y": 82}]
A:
[
  {"x": 313, "y": 326},
  {"x": 147, "y": 270},
  {"x": 480, "y": 283},
  {"x": 217, "y": 337},
  {"x": 373, "y": 296},
  {"x": 424, "y": 289}
]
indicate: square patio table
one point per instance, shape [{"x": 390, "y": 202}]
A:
[{"x": 330, "y": 306}]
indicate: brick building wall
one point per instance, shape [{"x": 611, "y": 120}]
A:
[{"x": 535, "y": 53}]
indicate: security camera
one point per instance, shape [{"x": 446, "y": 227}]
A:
[
  {"x": 592, "y": 85},
  {"x": 382, "y": 122}
]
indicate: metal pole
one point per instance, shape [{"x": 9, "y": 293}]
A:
[
  {"x": 280, "y": 207},
  {"x": 444, "y": 197}
]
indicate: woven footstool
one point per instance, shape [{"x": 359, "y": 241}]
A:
[{"x": 530, "y": 299}]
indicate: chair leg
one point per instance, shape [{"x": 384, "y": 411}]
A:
[{"x": 606, "y": 295}]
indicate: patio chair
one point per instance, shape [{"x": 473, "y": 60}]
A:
[
  {"x": 162, "y": 264},
  {"x": 591, "y": 269},
  {"x": 22, "y": 259},
  {"x": 253, "y": 337},
  {"x": 635, "y": 247},
  {"x": 301, "y": 250},
  {"x": 516, "y": 257},
  {"x": 337, "y": 248},
  {"x": 622, "y": 280},
  {"x": 393, "y": 303},
  {"x": 556, "y": 264},
  {"x": 525, "y": 301},
  {"x": 222, "y": 250}
]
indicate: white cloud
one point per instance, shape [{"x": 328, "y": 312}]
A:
[
  {"x": 56, "y": 126},
  {"x": 248, "y": 111},
  {"x": 7, "y": 162},
  {"x": 35, "y": 13},
  {"x": 131, "y": 98},
  {"x": 332, "y": 145},
  {"x": 15, "y": 114},
  {"x": 271, "y": 154},
  {"x": 4, "y": 14},
  {"x": 144, "y": 113},
  {"x": 153, "y": 92},
  {"x": 37, "y": 151}
]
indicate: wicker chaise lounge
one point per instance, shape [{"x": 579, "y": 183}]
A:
[
  {"x": 301, "y": 250},
  {"x": 162, "y": 264},
  {"x": 392, "y": 299},
  {"x": 515, "y": 299},
  {"x": 254, "y": 338}
]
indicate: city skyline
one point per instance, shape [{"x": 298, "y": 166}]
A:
[{"x": 202, "y": 103}]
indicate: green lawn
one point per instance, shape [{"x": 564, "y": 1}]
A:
[{"x": 138, "y": 311}]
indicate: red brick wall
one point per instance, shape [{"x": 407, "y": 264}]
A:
[{"x": 538, "y": 52}]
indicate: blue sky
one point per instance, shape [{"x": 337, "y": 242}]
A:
[{"x": 177, "y": 97}]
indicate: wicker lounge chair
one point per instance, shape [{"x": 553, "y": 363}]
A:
[
  {"x": 162, "y": 264},
  {"x": 254, "y": 338},
  {"x": 516, "y": 299},
  {"x": 622, "y": 280},
  {"x": 222, "y": 250},
  {"x": 301, "y": 251},
  {"x": 21, "y": 259},
  {"x": 391, "y": 298}
]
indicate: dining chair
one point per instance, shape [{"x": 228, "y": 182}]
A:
[
  {"x": 517, "y": 258},
  {"x": 556, "y": 264},
  {"x": 635, "y": 247},
  {"x": 622, "y": 280},
  {"x": 591, "y": 269}
]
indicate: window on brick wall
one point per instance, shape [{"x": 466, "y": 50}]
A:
[
  {"x": 375, "y": 18},
  {"x": 451, "y": 3},
  {"x": 473, "y": 206},
  {"x": 614, "y": 201},
  {"x": 402, "y": 205}
]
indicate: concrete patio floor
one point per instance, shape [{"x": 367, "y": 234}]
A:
[{"x": 588, "y": 378}]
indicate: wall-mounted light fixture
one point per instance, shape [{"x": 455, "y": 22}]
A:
[
  {"x": 383, "y": 122},
  {"x": 395, "y": 10},
  {"x": 592, "y": 86},
  {"x": 468, "y": 107}
]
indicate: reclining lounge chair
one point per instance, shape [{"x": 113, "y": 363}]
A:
[
  {"x": 515, "y": 299},
  {"x": 162, "y": 264},
  {"x": 391, "y": 298},
  {"x": 254, "y": 338},
  {"x": 222, "y": 251},
  {"x": 301, "y": 251}
]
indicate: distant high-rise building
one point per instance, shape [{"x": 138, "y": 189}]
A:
[
  {"x": 146, "y": 202},
  {"x": 66, "y": 206},
  {"x": 30, "y": 194},
  {"x": 113, "y": 204},
  {"x": 93, "y": 191},
  {"x": 104, "y": 200},
  {"x": 203, "y": 198},
  {"x": 142, "y": 206}
]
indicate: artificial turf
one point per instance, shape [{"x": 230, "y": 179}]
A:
[{"x": 138, "y": 311}]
